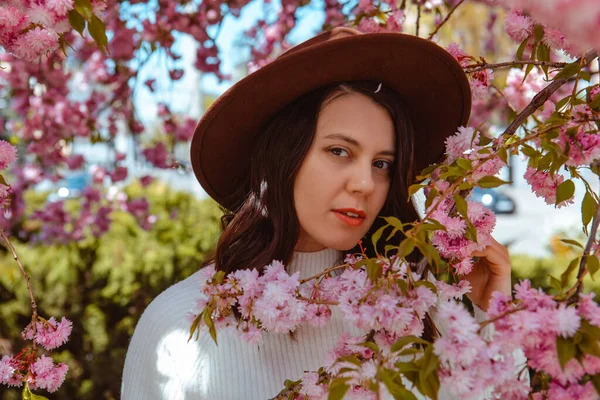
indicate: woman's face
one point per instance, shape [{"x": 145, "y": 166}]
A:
[{"x": 344, "y": 179}]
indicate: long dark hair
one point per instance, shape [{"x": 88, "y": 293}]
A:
[{"x": 263, "y": 226}]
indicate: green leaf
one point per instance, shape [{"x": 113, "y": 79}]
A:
[
  {"x": 538, "y": 33},
  {"x": 374, "y": 270},
  {"x": 563, "y": 102},
  {"x": 195, "y": 324},
  {"x": 406, "y": 247},
  {"x": 377, "y": 235},
  {"x": 218, "y": 277},
  {"x": 529, "y": 151},
  {"x": 564, "y": 278},
  {"x": 585, "y": 75},
  {"x": 542, "y": 52},
  {"x": 593, "y": 265},
  {"x": 461, "y": 205},
  {"x": 565, "y": 191},
  {"x": 84, "y": 7},
  {"x": 431, "y": 361},
  {"x": 555, "y": 283},
  {"x": 503, "y": 154},
  {"x": 412, "y": 189},
  {"x": 338, "y": 389},
  {"x": 588, "y": 208},
  {"x": 430, "y": 197},
  {"x": 394, "y": 386},
  {"x": 27, "y": 394},
  {"x": 491, "y": 181},
  {"x": 352, "y": 359},
  {"x": 427, "y": 172},
  {"x": 529, "y": 67},
  {"x": 465, "y": 164},
  {"x": 589, "y": 345},
  {"x": 405, "y": 341},
  {"x": 566, "y": 350},
  {"x": 211, "y": 326},
  {"x": 521, "y": 49},
  {"x": 591, "y": 330},
  {"x": 568, "y": 71},
  {"x": 471, "y": 233},
  {"x": 595, "y": 103},
  {"x": 2, "y": 181},
  {"x": 573, "y": 242},
  {"x": 77, "y": 21},
  {"x": 98, "y": 31},
  {"x": 395, "y": 222}
]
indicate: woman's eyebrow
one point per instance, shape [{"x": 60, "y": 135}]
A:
[{"x": 354, "y": 142}]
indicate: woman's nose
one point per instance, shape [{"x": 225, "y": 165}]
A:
[{"x": 361, "y": 179}]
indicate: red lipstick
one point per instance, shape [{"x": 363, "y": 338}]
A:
[{"x": 350, "y": 216}]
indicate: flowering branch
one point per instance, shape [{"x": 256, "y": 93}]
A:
[
  {"x": 540, "y": 98},
  {"x": 34, "y": 314}
]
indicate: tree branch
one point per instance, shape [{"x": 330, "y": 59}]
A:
[
  {"x": 540, "y": 98},
  {"x": 437, "y": 28},
  {"x": 586, "y": 252},
  {"x": 469, "y": 69}
]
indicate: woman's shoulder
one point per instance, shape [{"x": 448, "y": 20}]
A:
[
  {"x": 160, "y": 358},
  {"x": 174, "y": 305}
]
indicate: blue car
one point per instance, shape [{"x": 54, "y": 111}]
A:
[
  {"x": 496, "y": 201},
  {"x": 71, "y": 186}
]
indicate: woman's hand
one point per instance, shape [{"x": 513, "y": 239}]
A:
[{"x": 490, "y": 273}]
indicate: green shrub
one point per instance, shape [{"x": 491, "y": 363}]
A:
[{"x": 104, "y": 284}]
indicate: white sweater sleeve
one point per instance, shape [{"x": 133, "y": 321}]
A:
[{"x": 160, "y": 364}]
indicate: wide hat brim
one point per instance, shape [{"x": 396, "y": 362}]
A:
[{"x": 431, "y": 84}]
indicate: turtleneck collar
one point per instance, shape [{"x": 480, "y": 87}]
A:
[{"x": 311, "y": 263}]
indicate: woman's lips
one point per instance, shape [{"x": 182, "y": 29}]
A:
[{"x": 351, "y": 221}]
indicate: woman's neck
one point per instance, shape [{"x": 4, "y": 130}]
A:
[{"x": 310, "y": 263}]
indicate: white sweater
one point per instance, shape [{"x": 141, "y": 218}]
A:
[{"x": 161, "y": 364}]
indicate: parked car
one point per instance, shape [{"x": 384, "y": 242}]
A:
[
  {"x": 495, "y": 200},
  {"x": 71, "y": 186}
]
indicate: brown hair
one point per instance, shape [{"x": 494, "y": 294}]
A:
[{"x": 264, "y": 226}]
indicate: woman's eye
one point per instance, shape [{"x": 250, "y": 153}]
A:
[
  {"x": 338, "y": 151},
  {"x": 382, "y": 164}
]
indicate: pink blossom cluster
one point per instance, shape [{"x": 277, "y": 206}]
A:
[
  {"x": 394, "y": 23},
  {"x": 453, "y": 242},
  {"x": 8, "y": 155},
  {"x": 50, "y": 334},
  {"x": 582, "y": 147},
  {"x": 465, "y": 144},
  {"x": 519, "y": 90},
  {"x": 60, "y": 226},
  {"x": 544, "y": 185},
  {"x": 536, "y": 329},
  {"x": 276, "y": 302},
  {"x": 579, "y": 20},
  {"x": 471, "y": 365},
  {"x": 479, "y": 81},
  {"x": 40, "y": 373}
]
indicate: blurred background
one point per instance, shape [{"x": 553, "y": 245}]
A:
[{"x": 102, "y": 271}]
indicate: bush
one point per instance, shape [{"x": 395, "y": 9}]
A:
[{"x": 104, "y": 284}]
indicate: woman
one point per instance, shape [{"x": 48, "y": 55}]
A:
[{"x": 305, "y": 154}]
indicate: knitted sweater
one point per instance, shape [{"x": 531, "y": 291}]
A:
[{"x": 162, "y": 364}]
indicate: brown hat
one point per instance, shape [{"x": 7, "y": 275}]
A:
[{"x": 434, "y": 89}]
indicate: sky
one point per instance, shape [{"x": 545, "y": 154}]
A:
[{"x": 184, "y": 96}]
